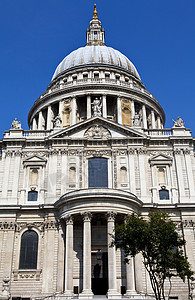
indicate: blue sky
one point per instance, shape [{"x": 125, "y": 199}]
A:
[{"x": 157, "y": 36}]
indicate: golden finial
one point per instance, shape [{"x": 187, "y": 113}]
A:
[{"x": 95, "y": 13}]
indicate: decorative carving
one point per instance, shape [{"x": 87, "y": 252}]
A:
[
  {"x": 16, "y": 124},
  {"x": 97, "y": 107},
  {"x": 178, "y": 123},
  {"x": 80, "y": 171},
  {"x": 57, "y": 121},
  {"x": 115, "y": 170},
  {"x": 111, "y": 215},
  {"x": 69, "y": 220},
  {"x": 177, "y": 151},
  {"x": 142, "y": 151},
  {"x": 98, "y": 153},
  {"x": 7, "y": 226},
  {"x": 86, "y": 216},
  {"x": 5, "y": 294},
  {"x": 131, "y": 151},
  {"x": 27, "y": 274},
  {"x": 22, "y": 225},
  {"x": 97, "y": 132},
  {"x": 186, "y": 151}
]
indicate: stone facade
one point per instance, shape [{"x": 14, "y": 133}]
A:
[{"x": 95, "y": 109}]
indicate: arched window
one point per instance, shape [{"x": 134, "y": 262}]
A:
[
  {"x": 32, "y": 195},
  {"x": 28, "y": 250},
  {"x": 98, "y": 172},
  {"x": 164, "y": 194},
  {"x": 123, "y": 174}
]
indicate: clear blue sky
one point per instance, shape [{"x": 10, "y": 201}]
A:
[{"x": 157, "y": 36}]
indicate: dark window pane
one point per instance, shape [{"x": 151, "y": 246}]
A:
[
  {"x": 164, "y": 195},
  {"x": 98, "y": 172},
  {"x": 28, "y": 250},
  {"x": 32, "y": 196}
]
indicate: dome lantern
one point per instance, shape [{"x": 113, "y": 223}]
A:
[{"x": 95, "y": 34}]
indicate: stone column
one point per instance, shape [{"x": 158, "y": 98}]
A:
[
  {"x": 69, "y": 258},
  {"x": 153, "y": 120},
  {"x": 144, "y": 116},
  {"x": 138, "y": 273},
  {"x": 73, "y": 110},
  {"x": 179, "y": 174},
  {"x": 49, "y": 116},
  {"x": 119, "y": 112},
  {"x": 87, "y": 292},
  {"x": 40, "y": 122},
  {"x": 34, "y": 124},
  {"x": 88, "y": 106},
  {"x": 104, "y": 108},
  {"x": 132, "y": 110},
  {"x": 130, "y": 277},
  {"x": 189, "y": 173},
  {"x": 61, "y": 109},
  {"x": 158, "y": 122},
  {"x": 112, "y": 281}
]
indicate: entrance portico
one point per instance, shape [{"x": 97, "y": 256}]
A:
[{"x": 91, "y": 265}]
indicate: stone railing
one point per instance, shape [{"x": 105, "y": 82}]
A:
[
  {"x": 158, "y": 132},
  {"x": 95, "y": 81},
  {"x": 37, "y": 133}
]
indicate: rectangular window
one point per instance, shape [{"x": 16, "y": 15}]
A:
[
  {"x": 98, "y": 172},
  {"x": 32, "y": 195}
]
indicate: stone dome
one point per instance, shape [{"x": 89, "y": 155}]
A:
[{"x": 95, "y": 54}]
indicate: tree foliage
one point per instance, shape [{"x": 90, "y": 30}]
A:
[{"x": 160, "y": 244}]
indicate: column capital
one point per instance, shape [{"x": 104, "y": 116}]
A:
[
  {"x": 111, "y": 215},
  {"x": 69, "y": 220},
  {"x": 87, "y": 215}
]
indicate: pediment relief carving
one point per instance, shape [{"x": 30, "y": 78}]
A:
[{"x": 97, "y": 132}]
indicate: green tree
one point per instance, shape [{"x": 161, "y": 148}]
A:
[{"x": 157, "y": 239}]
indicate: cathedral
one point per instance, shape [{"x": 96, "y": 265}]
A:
[{"x": 96, "y": 151}]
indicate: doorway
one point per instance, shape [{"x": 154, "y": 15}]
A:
[{"x": 100, "y": 274}]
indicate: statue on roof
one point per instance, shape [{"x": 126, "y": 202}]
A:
[
  {"x": 178, "y": 123},
  {"x": 16, "y": 124}
]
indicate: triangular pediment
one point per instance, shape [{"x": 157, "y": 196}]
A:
[
  {"x": 97, "y": 128},
  {"x": 161, "y": 158},
  {"x": 34, "y": 160}
]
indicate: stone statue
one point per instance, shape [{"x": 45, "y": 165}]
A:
[
  {"x": 16, "y": 124},
  {"x": 97, "y": 107},
  {"x": 137, "y": 120},
  {"x": 57, "y": 122},
  {"x": 178, "y": 123}
]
